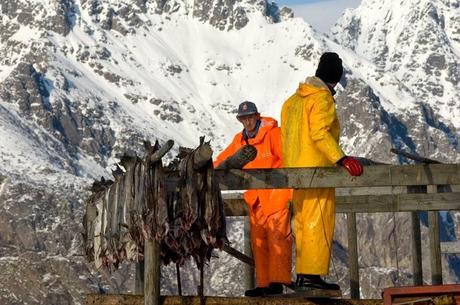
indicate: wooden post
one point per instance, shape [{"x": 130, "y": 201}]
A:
[
  {"x": 416, "y": 239},
  {"x": 249, "y": 270},
  {"x": 151, "y": 272},
  {"x": 353, "y": 256},
  {"x": 435, "y": 245},
  {"x": 416, "y": 249},
  {"x": 179, "y": 282},
  {"x": 139, "y": 280}
]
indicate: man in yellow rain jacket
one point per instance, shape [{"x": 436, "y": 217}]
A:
[
  {"x": 310, "y": 136},
  {"x": 268, "y": 210}
]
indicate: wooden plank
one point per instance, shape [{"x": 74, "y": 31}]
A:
[
  {"x": 310, "y": 293},
  {"x": 450, "y": 247},
  {"x": 435, "y": 243},
  {"x": 235, "y": 207},
  {"x": 416, "y": 249},
  {"x": 353, "y": 256},
  {"x": 399, "y": 203},
  {"x": 249, "y": 277},
  {"x": 377, "y": 175},
  {"x": 238, "y": 255},
  {"x": 375, "y": 204},
  {"x": 364, "y": 190},
  {"x": 105, "y": 299},
  {"x": 151, "y": 273},
  {"x": 139, "y": 279},
  {"x": 416, "y": 239},
  {"x": 377, "y": 190}
]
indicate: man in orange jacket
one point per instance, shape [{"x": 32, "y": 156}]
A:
[{"x": 269, "y": 215}]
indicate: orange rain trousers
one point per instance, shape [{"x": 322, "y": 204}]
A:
[{"x": 271, "y": 239}]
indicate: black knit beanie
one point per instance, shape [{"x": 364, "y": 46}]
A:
[{"x": 330, "y": 68}]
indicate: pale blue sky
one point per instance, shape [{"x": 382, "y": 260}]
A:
[{"x": 321, "y": 14}]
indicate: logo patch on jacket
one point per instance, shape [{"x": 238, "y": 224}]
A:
[{"x": 266, "y": 154}]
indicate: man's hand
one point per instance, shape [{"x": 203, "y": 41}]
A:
[{"x": 352, "y": 165}]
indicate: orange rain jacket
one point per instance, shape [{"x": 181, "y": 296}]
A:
[{"x": 268, "y": 145}]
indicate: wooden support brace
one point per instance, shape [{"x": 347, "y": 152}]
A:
[
  {"x": 353, "y": 256},
  {"x": 374, "y": 204},
  {"x": 249, "y": 270},
  {"x": 151, "y": 273},
  {"x": 435, "y": 246},
  {"x": 416, "y": 239},
  {"x": 238, "y": 255}
]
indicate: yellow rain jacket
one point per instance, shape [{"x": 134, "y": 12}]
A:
[{"x": 310, "y": 135}]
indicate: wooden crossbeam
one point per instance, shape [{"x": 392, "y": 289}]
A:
[
  {"x": 377, "y": 175},
  {"x": 450, "y": 247},
  {"x": 321, "y": 298},
  {"x": 373, "y": 203}
]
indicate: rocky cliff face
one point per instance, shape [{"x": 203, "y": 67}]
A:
[
  {"x": 401, "y": 92},
  {"x": 83, "y": 81},
  {"x": 415, "y": 50}
]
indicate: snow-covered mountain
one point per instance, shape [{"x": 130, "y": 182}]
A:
[
  {"x": 83, "y": 81},
  {"x": 408, "y": 53}
]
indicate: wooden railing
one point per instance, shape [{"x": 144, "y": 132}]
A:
[{"x": 382, "y": 188}]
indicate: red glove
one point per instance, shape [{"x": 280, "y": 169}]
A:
[{"x": 352, "y": 165}]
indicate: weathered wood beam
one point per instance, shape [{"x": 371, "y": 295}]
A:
[
  {"x": 353, "y": 255},
  {"x": 399, "y": 203},
  {"x": 435, "y": 242},
  {"x": 374, "y": 204},
  {"x": 139, "y": 278},
  {"x": 377, "y": 190},
  {"x": 416, "y": 249},
  {"x": 377, "y": 175},
  {"x": 450, "y": 247},
  {"x": 239, "y": 255},
  {"x": 416, "y": 239},
  {"x": 151, "y": 272},
  {"x": 249, "y": 277},
  {"x": 107, "y": 299}
]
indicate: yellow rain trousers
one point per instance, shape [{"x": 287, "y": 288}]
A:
[{"x": 310, "y": 134}]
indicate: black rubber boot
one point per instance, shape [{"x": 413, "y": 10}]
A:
[
  {"x": 256, "y": 292},
  {"x": 308, "y": 281},
  {"x": 274, "y": 288}
]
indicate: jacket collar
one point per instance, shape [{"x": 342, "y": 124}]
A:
[{"x": 266, "y": 124}]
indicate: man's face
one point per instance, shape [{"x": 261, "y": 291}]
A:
[{"x": 249, "y": 121}]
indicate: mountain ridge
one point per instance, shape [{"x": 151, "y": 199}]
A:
[{"x": 82, "y": 82}]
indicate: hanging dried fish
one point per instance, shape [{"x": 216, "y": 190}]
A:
[
  {"x": 127, "y": 247},
  {"x": 120, "y": 215},
  {"x": 93, "y": 221},
  {"x": 195, "y": 214}
]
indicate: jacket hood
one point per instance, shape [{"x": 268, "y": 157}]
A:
[{"x": 311, "y": 86}]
